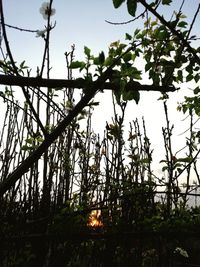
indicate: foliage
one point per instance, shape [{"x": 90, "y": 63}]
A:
[
  {"x": 122, "y": 72},
  {"x": 167, "y": 47}
]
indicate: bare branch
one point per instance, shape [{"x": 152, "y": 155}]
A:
[{"x": 79, "y": 83}]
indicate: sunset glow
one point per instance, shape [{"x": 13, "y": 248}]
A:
[{"x": 95, "y": 219}]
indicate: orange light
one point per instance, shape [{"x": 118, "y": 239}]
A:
[{"x": 95, "y": 219}]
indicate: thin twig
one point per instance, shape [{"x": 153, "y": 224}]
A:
[
  {"x": 19, "y": 28},
  {"x": 126, "y": 22}
]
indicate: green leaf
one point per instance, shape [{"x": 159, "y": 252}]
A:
[
  {"x": 77, "y": 64},
  {"x": 132, "y": 6},
  {"x": 22, "y": 65},
  {"x": 87, "y": 51},
  {"x": 148, "y": 55},
  {"x": 117, "y": 3},
  {"x": 197, "y": 90},
  {"x": 96, "y": 61},
  {"x": 189, "y": 78},
  {"x": 148, "y": 66},
  {"x": 127, "y": 57},
  {"x": 117, "y": 94},
  {"x": 136, "y": 96},
  {"x": 135, "y": 73},
  {"x": 166, "y": 2},
  {"x": 187, "y": 159},
  {"x": 146, "y": 160},
  {"x": 162, "y": 35},
  {"x": 184, "y": 108},
  {"x": 136, "y": 31},
  {"x": 197, "y": 78},
  {"x": 108, "y": 61},
  {"x": 131, "y": 95},
  {"x": 29, "y": 140},
  {"x": 26, "y": 148},
  {"x": 155, "y": 77},
  {"x": 182, "y": 24},
  {"x": 163, "y": 161},
  {"x": 164, "y": 168},
  {"x": 180, "y": 75},
  {"x": 128, "y": 37}
]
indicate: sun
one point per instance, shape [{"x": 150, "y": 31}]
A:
[{"x": 94, "y": 220}]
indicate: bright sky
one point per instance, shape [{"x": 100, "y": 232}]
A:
[{"x": 82, "y": 22}]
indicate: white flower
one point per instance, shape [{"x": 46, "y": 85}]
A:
[
  {"x": 41, "y": 33},
  {"x": 46, "y": 11},
  {"x": 181, "y": 252}
]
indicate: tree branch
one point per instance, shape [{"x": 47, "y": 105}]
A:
[{"x": 79, "y": 83}]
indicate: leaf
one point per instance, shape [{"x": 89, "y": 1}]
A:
[
  {"x": 87, "y": 51},
  {"x": 108, "y": 61},
  {"x": 146, "y": 160},
  {"x": 77, "y": 64},
  {"x": 162, "y": 35},
  {"x": 187, "y": 159},
  {"x": 29, "y": 140},
  {"x": 197, "y": 78},
  {"x": 164, "y": 168},
  {"x": 40, "y": 139},
  {"x": 197, "y": 90},
  {"x": 131, "y": 95},
  {"x": 117, "y": 94},
  {"x": 184, "y": 108},
  {"x": 22, "y": 65},
  {"x": 25, "y": 148},
  {"x": 163, "y": 161},
  {"x": 132, "y": 6},
  {"x": 135, "y": 73},
  {"x": 148, "y": 66},
  {"x": 115, "y": 44},
  {"x": 189, "y": 78},
  {"x": 136, "y": 96},
  {"x": 127, "y": 57},
  {"x": 136, "y": 31},
  {"x": 180, "y": 75},
  {"x": 117, "y": 3},
  {"x": 166, "y": 2},
  {"x": 96, "y": 61},
  {"x": 128, "y": 37},
  {"x": 182, "y": 24}
]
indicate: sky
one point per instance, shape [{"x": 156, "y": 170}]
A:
[{"x": 83, "y": 23}]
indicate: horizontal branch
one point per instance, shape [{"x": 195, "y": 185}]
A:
[{"x": 78, "y": 83}]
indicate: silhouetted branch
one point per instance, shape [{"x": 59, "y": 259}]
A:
[{"x": 78, "y": 83}]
